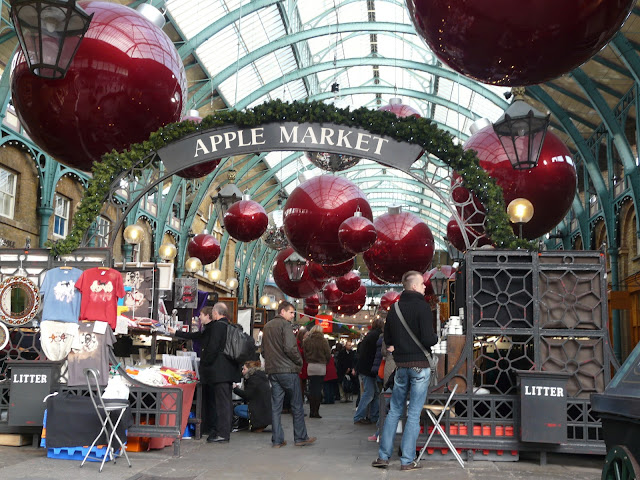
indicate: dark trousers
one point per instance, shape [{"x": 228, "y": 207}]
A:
[
  {"x": 208, "y": 408},
  {"x": 223, "y": 409}
]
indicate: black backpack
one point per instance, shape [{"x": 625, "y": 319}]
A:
[{"x": 239, "y": 347}]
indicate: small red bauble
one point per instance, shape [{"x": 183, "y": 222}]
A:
[
  {"x": 311, "y": 310},
  {"x": 332, "y": 293},
  {"x": 305, "y": 287},
  {"x": 349, "y": 283},
  {"x": 505, "y": 43},
  {"x": 313, "y": 214},
  {"x": 550, "y": 187},
  {"x": 339, "y": 269},
  {"x": 455, "y": 237},
  {"x": 313, "y": 300},
  {"x": 404, "y": 243},
  {"x": 124, "y": 83},
  {"x": 205, "y": 247},
  {"x": 352, "y": 303},
  {"x": 388, "y": 299},
  {"x": 400, "y": 110},
  {"x": 356, "y": 234},
  {"x": 246, "y": 220},
  {"x": 317, "y": 272},
  {"x": 202, "y": 169}
]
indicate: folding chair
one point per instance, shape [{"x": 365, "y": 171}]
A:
[
  {"x": 103, "y": 410},
  {"x": 437, "y": 427}
]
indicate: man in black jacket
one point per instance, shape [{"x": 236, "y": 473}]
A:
[
  {"x": 369, "y": 395},
  {"x": 412, "y": 375},
  {"x": 217, "y": 372}
]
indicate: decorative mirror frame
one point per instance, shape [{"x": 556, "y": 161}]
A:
[
  {"x": 34, "y": 305},
  {"x": 4, "y": 336}
]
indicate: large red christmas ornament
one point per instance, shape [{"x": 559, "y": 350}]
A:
[
  {"x": 313, "y": 214},
  {"x": 205, "y": 247},
  {"x": 202, "y": 169},
  {"x": 311, "y": 310},
  {"x": 339, "y": 269},
  {"x": 504, "y": 43},
  {"x": 356, "y": 234},
  {"x": 404, "y": 243},
  {"x": 246, "y": 220},
  {"x": 550, "y": 187},
  {"x": 349, "y": 283},
  {"x": 376, "y": 280},
  {"x": 317, "y": 272},
  {"x": 455, "y": 237},
  {"x": 352, "y": 303},
  {"x": 312, "y": 301},
  {"x": 332, "y": 293},
  {"x": 399, "y": 109},
  {"x": 305, "y": 287},
  {"x": 388, "y": 299},
  {"x": 125, "y": 82}
]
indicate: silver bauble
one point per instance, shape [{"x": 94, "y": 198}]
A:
[
  {"x": 274, "y": 236},
  {"x": 332, "y": 162}
]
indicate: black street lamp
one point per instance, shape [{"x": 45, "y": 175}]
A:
[
  {"x": 227, "y": 196},
  {"x": 454, "y": 254},
  {"x": 295, "y": 265},
  {"x": 439, "y": 283},
  {"x": 521, "y": 131},
  {"x": 49, "y": 32}
]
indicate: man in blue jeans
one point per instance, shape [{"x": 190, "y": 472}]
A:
[
  {"x": 368, "y": 408},
  {"x": 283, "y": 363},
  {"x": 412, "y": 375}
]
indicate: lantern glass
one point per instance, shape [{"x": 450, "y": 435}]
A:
[
  {"x": 133, "y": 234},
  {"x": 520, "y": 210},
  {"x": 232, "y": 283},
  {"x": 265, "y": 300},
  {"x": 227, "y": 196},
  {"x": 214, "y": 275},
  {"x": 167, "y": 251},
  {"x": 439, "y": 282},
  {"x": 193, "y": 265},
  {"x": 295, "y": 265}
]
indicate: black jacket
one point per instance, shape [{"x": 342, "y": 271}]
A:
[
  {"x": 419, "y": 318},
  {"x": 367, "y": 352},
  {"x": 344, "y": 361},
  {"x": 257, "y": 394},
  {"x": 215, "y": 367}
]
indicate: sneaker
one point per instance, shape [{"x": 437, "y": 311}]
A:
[
  {"x": 410, "y": 466},
  {"x": 362, "y": 421},
  {"x": 372, "y": 438},
  {"x": 217, "y": 439},
  {"x": 279, "y": 445},
  {"x": 380, "y": 463},
  {"x": 306, "y": 442}
]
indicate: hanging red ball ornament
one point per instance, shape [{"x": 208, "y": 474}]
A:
[
  {"x": 202, "y": 169},
  {"x": 339, "y": 269},
  {"x": 503, "y": 43},
  {"x": 205, "y": 247},
  {"x": 356, "y": 234},
  {"x": 550, "y": 186},
  {"x": 404, "y": 243},
  {"x": 246, "y": 220},
  {"x": 352, "y": 303},
  {"x": 332, "y": 293},
  {"x": 125, "y": 82},
  {"x": 376, "y": 280},
  {"x": 312, "y": 301},
  {"x": 400, "y": 110},
  {"x": 317, "y": 272},
  {"x": 455, "y": 237},
  {"x": 349, "y": 282},
  {"x": 305, "y": 287},
  {"x": 314, "y": 212},
  {"x": 388, "y": 299},
  {"x": 311, "y": 311}
]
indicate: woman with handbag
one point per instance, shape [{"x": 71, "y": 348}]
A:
[{"x": 317, "y": 354}]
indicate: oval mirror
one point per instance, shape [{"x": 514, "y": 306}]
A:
[{"x": 19, "y": 300}]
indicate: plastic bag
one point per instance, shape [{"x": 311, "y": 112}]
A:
[{"x": 116, "y": 389}]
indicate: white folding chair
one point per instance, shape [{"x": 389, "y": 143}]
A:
[
  {"x": 438, "y": 428},
  {"x": 103, "y": 410}
]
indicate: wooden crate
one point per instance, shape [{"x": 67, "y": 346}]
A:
[{"x": 14, "y": 439}]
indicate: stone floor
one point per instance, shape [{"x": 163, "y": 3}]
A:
[{"x": 342, "y": 451}]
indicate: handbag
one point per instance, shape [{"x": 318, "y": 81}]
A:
[
  {"x": 381, "y": 368},
  {"x": 316, "y": 369},
  {"x": 433, "y": 360}
]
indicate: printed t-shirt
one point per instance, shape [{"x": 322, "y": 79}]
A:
[
  {"x": 91, "y": 351},
  {"x": 57, "y": 338},
  {"x": 61, "y": 298},
  {"x": 100, "y": 289}
]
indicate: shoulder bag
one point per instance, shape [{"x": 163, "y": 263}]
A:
[{"x": 433, "y": 360}]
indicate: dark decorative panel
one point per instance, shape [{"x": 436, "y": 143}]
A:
[{"x": 497, "y": 359}]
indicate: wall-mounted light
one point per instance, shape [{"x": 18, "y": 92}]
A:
[
  {"x": 214, "y": 275},
  {"x": 193, "y": 265},
  {"x": 264, "y": 300},
  {"x": 133, "y": 234},
  {"x": 167, "y": 251},
  {"x": 232, "y": 283}
]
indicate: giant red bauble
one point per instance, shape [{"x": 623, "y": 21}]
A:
[
  {"x": 313, "y": 214},
  {"x": 205, "y": 247},
  {"x": 311, "y": 310},
  {"x": 503, "y": 42},
  {"x": 317, "y": 272},
  {"x": 388, "y": 299},
  {"x": 455, "y": 237},
  {"x": 352, "y": 303},
  {"x": 332, "y": 293},
  {"x": 550, "y": 187},
  {"x": 202, "y": 169},
  {"x": 404, "y": 243},
  {"x": 356, "y": 234},
  {"x": 246, "y": 220},
  {"x": 125, "y": 82},
  {"x": 349, "y": 282},
  {"x": 303, "y": 288},
  {"x": 339, "y": 269},
  {"x": 375, "y": 279},
  {"x": 313, "y": 300}
]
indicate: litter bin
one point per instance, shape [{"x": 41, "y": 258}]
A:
[
  {"x": 31, "y": 381},
  {"x": 543, "y": 406}
]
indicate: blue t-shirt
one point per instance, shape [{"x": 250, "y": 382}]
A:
[{"x": 61, "y": 297}]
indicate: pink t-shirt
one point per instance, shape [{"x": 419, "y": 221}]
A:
[{"x": 100, "y": 290}]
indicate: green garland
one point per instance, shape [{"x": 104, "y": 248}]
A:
[{"x": 413, "y": 130}]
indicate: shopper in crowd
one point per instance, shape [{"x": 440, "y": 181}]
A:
[
  {"x": 317, "y": 353},
  {"x": 330, "y": 384},
  {"x": 302, "y": 331},
  {"x": 257, "y": 395},
  {"x": 217, "y": 372},
  {"x": 345, "y": 366},
  {"x": 283, "y": 364},
  {"x": 412, "y": 375},
  {"x": 369, "y": 394}
]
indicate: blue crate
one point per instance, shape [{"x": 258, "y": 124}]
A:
[{"x": 77, "y": 453}]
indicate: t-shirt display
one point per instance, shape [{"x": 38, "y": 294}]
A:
[
  {"x": 57, "y": 338},
  {"x": 91, "y": 351},
  {"x": 61, "y": 298},
  {"x": 101, "y": 288}
]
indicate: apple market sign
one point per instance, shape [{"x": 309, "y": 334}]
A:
[{"x": 231, "y": 140}]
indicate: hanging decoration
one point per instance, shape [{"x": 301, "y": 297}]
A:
[
  {"x": 417, "y": 131},
  {"x": 517, "y": 44},
  {"x": 204, "y": 246},
  {"x": 117, "y": 91},
  {"x": 202, "y": 169},
  {"x": 356, "y": 234},
  {"x": 313, "y": 214},
  {"x": 388, "y": 299},
  {"x": 401, "y": 110},
  {"x": 332, "y": 162},
  {"x": 311, "y": 310},
  {"x": 246, "y": 220},
  {"x": 317, "y": 272},
  {"x": 332, "y": 294},
  {"x": 350, "y": 304},
  {"x": 305, "y": 287},
  {"x": 375, "y": 279},
  {"x": 313, "y": 300},
  {"x": 404, "y": 243},
  {"x": 455, "y": 237},
  {"x": 273, "y": 236},
  {"x": 429, "y": 292},
  {"x": 339, "y": 269},
  {"x": 349, "y": 282}
]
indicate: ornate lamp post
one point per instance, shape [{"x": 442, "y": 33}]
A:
[
  {"x": 520, "y": 211},
  {"x": 439, "y": 283},
  {"x": 454, "y": 254},
  {"x": 521, "y": 131},
  {"x": 134, "y": 235},
  {"x": 295, "y": 265},
  {"x": 49, "y": 32},
  {"x": 227, "y": 196}
]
